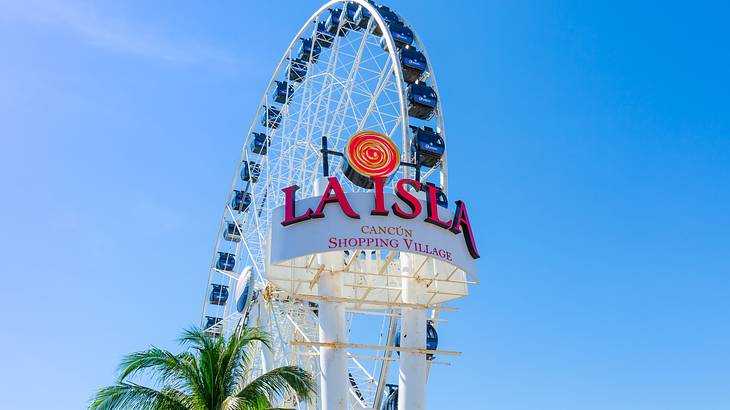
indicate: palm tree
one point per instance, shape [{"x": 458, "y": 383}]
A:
[{"x": 210, "y": 375}]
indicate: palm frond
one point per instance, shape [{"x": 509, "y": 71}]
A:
[
  {"x": 196, "y": 338},
  {"x": 211, "y": 374},
  {"x": 238, "y": 356},
  {"x": 132, "y": 396},
  {"x": 162, "y": 362},
  {"x": 176, "y": 371},
  {"x": 278, "y": 383},
  {"x": 247, "y": 403},
  {"x": 208, "y": 355}
]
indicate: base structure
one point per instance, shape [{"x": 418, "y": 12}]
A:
[{"x": 404, "y": 285}]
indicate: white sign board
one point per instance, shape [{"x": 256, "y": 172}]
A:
[{"x": 336, "y": 231}]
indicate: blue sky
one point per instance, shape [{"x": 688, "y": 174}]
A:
[{"x": 590, "y": 139}]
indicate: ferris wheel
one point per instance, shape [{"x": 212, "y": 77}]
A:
[{"x": 354, "y": 66}]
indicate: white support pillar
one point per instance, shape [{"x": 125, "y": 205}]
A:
[
  {"x": 334, "y": 383},
  {"x": 412, "y": 372},
  {"x": 263, "y": 310}
]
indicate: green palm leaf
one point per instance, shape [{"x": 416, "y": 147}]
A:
[
  {"x": 212, "y": 374},
  {"x": 278, "y": 383},
  {"x": 132, "y": 396}
]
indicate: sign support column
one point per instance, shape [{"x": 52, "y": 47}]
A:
[
  {"x": 412, "y": 372},
  {"x": 332, "y": 327},
  {"x": 267, "y": 356}
]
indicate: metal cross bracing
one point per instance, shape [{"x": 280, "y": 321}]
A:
[
  {"x": 354, "y": 85},
  {"x": 291, "y": 317},
  {"x": 297, "y": 318}
]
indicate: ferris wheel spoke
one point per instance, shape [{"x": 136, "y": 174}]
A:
[
  {"x": 311, "y": 122},
  {"x": 345, "y": 96},
  {"x": 372, "y": 106}
]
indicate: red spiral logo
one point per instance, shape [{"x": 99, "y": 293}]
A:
[{"x": 372, "y": 154}]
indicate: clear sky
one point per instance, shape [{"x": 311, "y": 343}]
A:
[{"x": 591, "y": 140}]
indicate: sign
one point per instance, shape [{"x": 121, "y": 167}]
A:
[{"x": 377, "y": 220}]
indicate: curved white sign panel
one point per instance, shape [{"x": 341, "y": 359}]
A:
[{"x": 337, "y": 231}]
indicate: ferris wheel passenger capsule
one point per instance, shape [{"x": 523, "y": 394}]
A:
[
  {"x": 391, "y": 401},
  {"x": 219, "y": 295},
  {"x": 432, "y": 339},
  {"x": 333, "y": 22},
  {"x": 422, "y": 101},
  {"x": 241, "y": 201},
  {"x": 352, "y": 15},
  {"x": 260, "y": 143},
  {"x": 413, "y": 63},
  {"x": 250, "y": 171},
  {"x": 271, "y": 117},
  {"x": 297, "y": 70},
  {"x": 441, "y": 199},
  {"x": 211, "y": 321},
  {"x": 283, "y": 92},
  {"x": 226, "y": 261},
  {"x": 247, "y": 294},
  {"x": 363, "y": 18},
  {"x": 389, "y": 17},
  {"x": 232, "y": 233},
  {"x": 243, "y": 300},
  {"x": 402, "y": 35},
  {"x": 324, "y": 37},
  {"x": 427, "y": 146},
  {"x": 335, "y": 19},
  {"x": 309, "y": 50}
]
